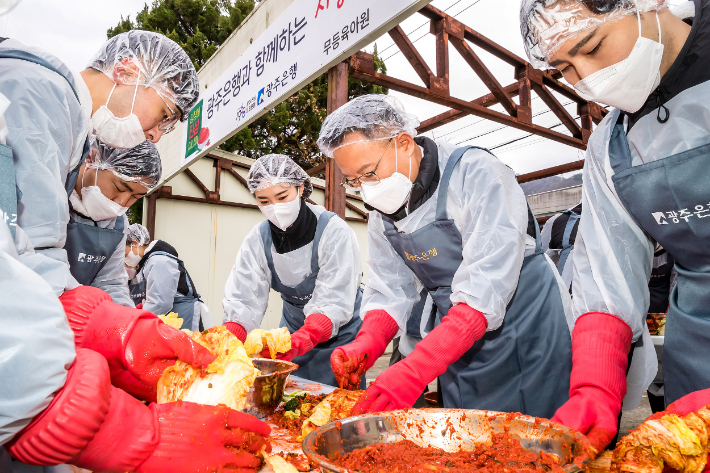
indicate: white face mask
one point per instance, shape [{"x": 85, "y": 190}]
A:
[
  {"x": 389, "y": 194},
  {"x": 132, "y": 259},
  {"x": 283, "y": 214},
  {"x": 123, "y": 133},
  {"x": 626, "y": 85},
  {"x": 98, "y": 205}
]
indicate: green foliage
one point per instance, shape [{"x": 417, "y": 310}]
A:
[
  {"x": 292, "y": 127},
  {"x": 199, "y": 26},
  {"x": 135, "y": 212}
]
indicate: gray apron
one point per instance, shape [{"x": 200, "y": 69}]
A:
[
  {"x": 566, "y": 246},
  {"x": 662, "y": 197},
  {"x": 8, "y": 185},
  {"x": 523, "y": 366},
  {"x": 184, "y": 306},
  {"x": 8, "y": 209},
  {"x": 314, "y": 365}
]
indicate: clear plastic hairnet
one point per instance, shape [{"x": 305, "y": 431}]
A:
[
  {"x": 137, "y": 232},
  {"x": 278, "y": 169},
  {"x": 376, "y": 116},
  {"x": 547, "y": 24},
  {"x": 162, "y": 63},
  {"x": 139, "y": 164}
]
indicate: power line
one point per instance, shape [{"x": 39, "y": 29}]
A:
[
  {"x": 481, "y": 120},
  {"x": 420, "y": 26},
  {"x": 422, "y": 36},
  {"x": 506, "y": 126},
  {"x": 523, "y": 137}
]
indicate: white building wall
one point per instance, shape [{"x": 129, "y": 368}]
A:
[
  {"x": 550, "y": 203},
  {"x": 208, "y": 236}
]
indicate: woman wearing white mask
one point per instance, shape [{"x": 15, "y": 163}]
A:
[
  {"x": 645, "y": 182},
  {"x": 100, "y": 192},
  {"x": 453, "y": 221},
  {"x": 158, "y": 281},
  {"x": 307, "y": 254}
]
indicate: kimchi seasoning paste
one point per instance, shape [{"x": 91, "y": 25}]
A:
[{"x": 504, "y": 455}]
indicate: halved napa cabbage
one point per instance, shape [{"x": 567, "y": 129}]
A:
[
  {"x": 225, "y": 381},
  {"x": 172, "y": 319},
  {"x": 277, "y": 340}
]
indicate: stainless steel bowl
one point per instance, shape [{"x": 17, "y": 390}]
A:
[
  {"x": 449, "y": 429},
  {"x": 264, "y": 397}
]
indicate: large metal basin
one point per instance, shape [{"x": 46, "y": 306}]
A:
[
  {"x": 264, "y": 397},
  {"x": 448, "y": 429}
]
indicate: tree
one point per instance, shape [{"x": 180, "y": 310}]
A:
[{"x": 200, "y": 27}]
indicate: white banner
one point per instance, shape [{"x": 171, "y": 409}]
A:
[{"x": 307, "y": 39}]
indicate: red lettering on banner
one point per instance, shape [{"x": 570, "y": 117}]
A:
[{"x": 327, "y": 5}]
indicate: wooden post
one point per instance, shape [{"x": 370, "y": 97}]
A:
[
  {"x": 150, "y": 224},
  {"x": 337, "y": 97}
]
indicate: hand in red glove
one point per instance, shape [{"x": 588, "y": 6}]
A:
[
  {"x": 139, "y": 306},
  {"x": 317, "y": 329},
  {"x": 351, "y": 361},
  {"x": 94, "y": 425},
  {"x": 237, "y": 330},
  {"x": 137, "y": 344},
  {"x": 401, "y": 384},
  {"x": 600, "y": 353},
  {"x": 692, "y": 402}
]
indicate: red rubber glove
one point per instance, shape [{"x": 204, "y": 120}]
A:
[
  {"x": 136, "y": 343},
  {"x": 139, "y": 306},
  {"x": 237, "y": 330},
  {"x": 94, "y": 425},
  {"x": 351, "y": 361},
  {"x": 600, "y": 353},
  {"x": 317, "y": 329},
  {"x": 399, "y": 386}
]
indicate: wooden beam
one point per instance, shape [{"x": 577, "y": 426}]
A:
[
  {"x": 440, "y": 83},
  {"x": 150, "y": 224},
  {"x": 337, "y": 97},
  {"x": 356, "y": 209},
  {"x": 485, "y": 75},
  {"x": 238, "y": 177},
  {"x": 198, "y": 182},
  {"x": 206, "y": 201},
  {"x": 553, "y": 171},
  {"x": 472, "y": 109},
  {"x": 567, "y": 120},
  {"x": 410, "y": 52},
  {"x": 353, "y": 219},
  {"x": 314, "y": 171}
]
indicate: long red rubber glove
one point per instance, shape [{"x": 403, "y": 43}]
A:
[
  {"x": 237, "y": 330},
  {"x": 351, "y": 361},
  {"x": 600, "y": 353},
  {"x": 94, "y": 425},
  {"x": 399, "y": 386},
  {"x": 317, "y": 329},
  {"x": 136, "y": 343}
]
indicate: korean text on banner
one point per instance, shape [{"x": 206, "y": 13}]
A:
[{"x": 309, "y": 37}]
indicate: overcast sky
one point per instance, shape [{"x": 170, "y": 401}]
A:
[{"x": 74, "y": 29}]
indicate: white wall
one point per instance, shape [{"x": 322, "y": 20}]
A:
[{"x": 208, "y": 236}]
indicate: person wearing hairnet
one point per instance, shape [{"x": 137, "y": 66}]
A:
[
  {"x": 137, "y": 86},
  {"x": 454, "y": 221},
  {"x": 159, "y": 282},
  {"x": 558, "y": 237},
  {"x": 310, "y": 256},
  {"x": 644, "y": 183},
  {"x": 100, "y": 192}
]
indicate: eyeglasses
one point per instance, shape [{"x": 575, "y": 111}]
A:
[
  {"x": 168, "y": 124},
  {"x": 369, "y": 177}
]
